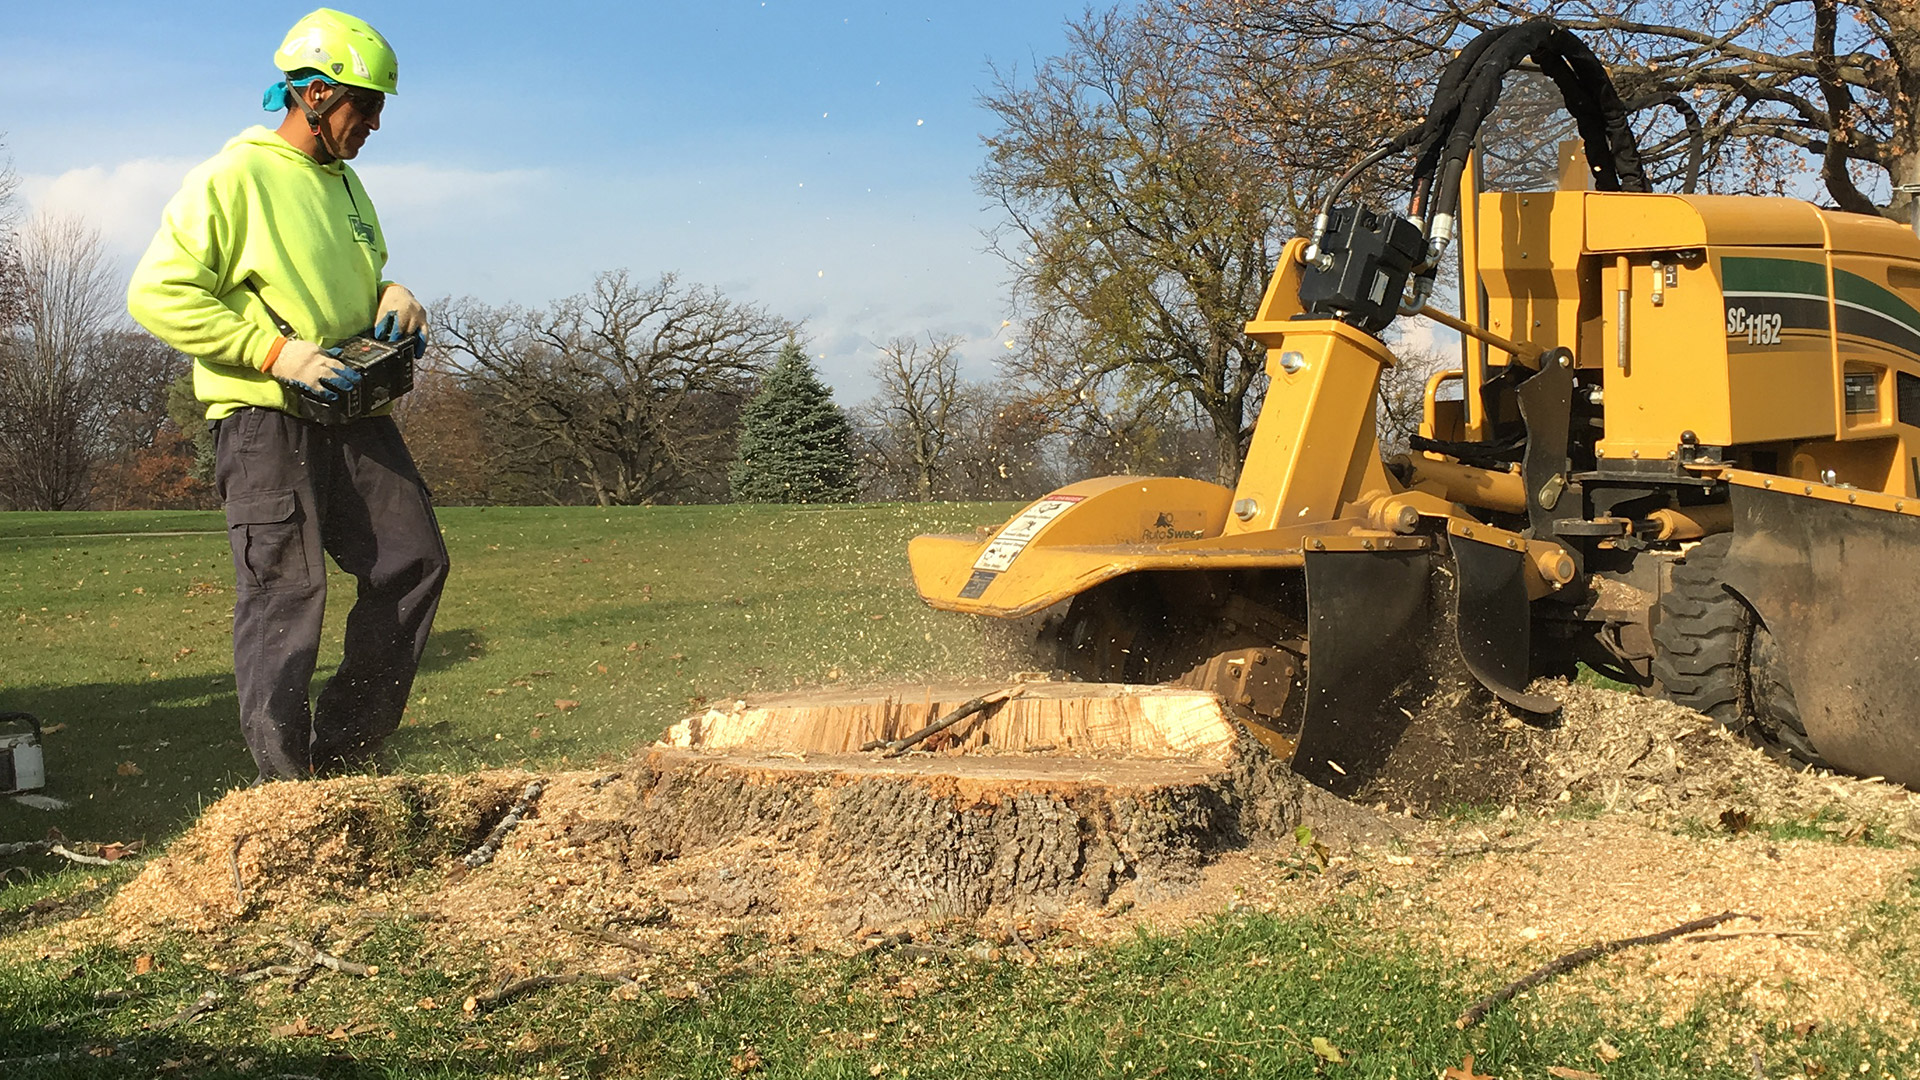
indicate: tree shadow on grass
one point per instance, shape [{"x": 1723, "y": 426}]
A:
[{"x": 135, "y": 759}]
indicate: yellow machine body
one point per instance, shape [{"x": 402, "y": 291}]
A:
[{"x": 1682, "y": 366}]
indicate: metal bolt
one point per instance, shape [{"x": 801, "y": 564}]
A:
[
  {"x": 1466, "y": 532},
  {"x": 1367, "y": 544},
  {"x": 1292, "y": 362},
  {"x": 1513, "y": 544}
]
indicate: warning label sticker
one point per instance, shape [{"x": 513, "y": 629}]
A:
[{"x": 1020, "y": 532}]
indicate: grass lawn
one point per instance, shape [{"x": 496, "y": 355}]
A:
[
  {"x": 117, "y": 631},
  {"x": 117, "y": 626}
]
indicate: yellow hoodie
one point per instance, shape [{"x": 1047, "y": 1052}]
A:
[{"x": 303, "y": 233}]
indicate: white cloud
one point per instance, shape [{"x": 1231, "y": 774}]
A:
[
  {"x": 122, "y": 201},
  {"x": 433, "y": 192}
]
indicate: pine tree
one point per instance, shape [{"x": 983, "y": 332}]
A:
[{"x": 795, "y": 443}]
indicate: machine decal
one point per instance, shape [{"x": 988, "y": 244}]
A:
[
  {"x": 977, "y": 584},
  {"x": 1012, "y": 540},
  {"x": 1766, "y": 297},
  {"x": 1865, "y": 309}
]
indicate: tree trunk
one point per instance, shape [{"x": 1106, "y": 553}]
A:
[{"x": 1064, "y": 794}]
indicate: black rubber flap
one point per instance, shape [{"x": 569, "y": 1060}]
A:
[
  {"x": 1546, "y": 404},
  {"x": 1839, "y": 588},
  {"x": 1493, "y": 622},
  {"x": 1366, "y": 618}
]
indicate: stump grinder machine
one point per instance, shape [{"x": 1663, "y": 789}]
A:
[{"x": 1683, "y": 448}]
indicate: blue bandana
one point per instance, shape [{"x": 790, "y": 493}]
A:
[{"x": 275, "y": 98}]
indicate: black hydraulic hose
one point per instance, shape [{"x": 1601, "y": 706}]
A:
[
  {"x": 1469, "y": 89},
  {"x": 1696, "y": 132}
]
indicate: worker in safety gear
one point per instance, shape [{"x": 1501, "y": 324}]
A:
[{"x": 269, "y": 255}]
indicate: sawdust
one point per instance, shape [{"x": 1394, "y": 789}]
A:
[
  {"x": 1617, "y": 830},
  {"x": 296, "y": 845}
]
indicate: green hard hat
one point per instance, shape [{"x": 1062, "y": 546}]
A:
[{"x": 341, "y": 47}]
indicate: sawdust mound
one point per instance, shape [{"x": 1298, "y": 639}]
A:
[
  {"x": 1516, "y": 901},
  {"x": 298, "y": 844},
  {"x": 1625, "y": 819},
  {"x": 1625, "y": 753}
]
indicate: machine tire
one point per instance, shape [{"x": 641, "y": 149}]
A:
[{"x": 1714, "y": 655}]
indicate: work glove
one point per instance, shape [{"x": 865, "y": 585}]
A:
[
  {"x": 401, "y": 316},
  {"x": 317, "y": 369}
]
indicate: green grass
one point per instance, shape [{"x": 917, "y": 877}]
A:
[
  {"x": 1244, "y": 995},
  {"x": 119, "y": 632},
  {"x": 638, "y": 614}
]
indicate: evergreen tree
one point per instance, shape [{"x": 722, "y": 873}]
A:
[{"x": 795, "y": 443}]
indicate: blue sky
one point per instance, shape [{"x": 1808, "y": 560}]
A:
[{"x": 813, "y": 157}]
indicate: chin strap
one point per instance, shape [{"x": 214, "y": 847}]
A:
[
  {"x": 315, "y": 118},
  {"x": 281, "y": 93}
]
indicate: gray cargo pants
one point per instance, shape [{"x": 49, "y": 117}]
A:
[{"x": 296, "y": 491}]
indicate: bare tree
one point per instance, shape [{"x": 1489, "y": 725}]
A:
[
  {"x": 1750, "y": 94},
  {"x": 448, "y": 436},
  {"x": 52, "y": 373},
  {"x": 912, "y": 421},
  {"x": 626, "y": 394},
  {"x": 1140, "y": 230},
  {"x": 1006, "y": 446},
  {"x": 12, "y": 279}
]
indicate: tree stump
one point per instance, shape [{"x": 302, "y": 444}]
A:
[{"x": 1062, "y": 794}]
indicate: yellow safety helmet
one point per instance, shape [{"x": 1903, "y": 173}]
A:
[{"x": 344, "y": 49}]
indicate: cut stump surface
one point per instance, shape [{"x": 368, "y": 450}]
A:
[{"x": 1064, "y": 794}]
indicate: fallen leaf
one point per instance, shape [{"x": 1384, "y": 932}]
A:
[
  {"x": 1464, "y": 1071},
  {"x": 1564, "y": 1073},
  {"x": 142, "y": 964},
  {"x": 300, "y": 1028},
  {"x": 1326, "y": 1051},
  {"x": 1806, "y": 1027},
  {"x": 1735, "y": 821},
  {"x": 601, "y": 668},
  {"x": 746, "y": 1061},
  {"x": 470, "y": 1006},
  {"x": 128, "y": 768},
  {"x": 53, "y": 729},
  {"x": 1608, "y": 1052},
  {"x": 426, "y": 1003},
  {"x": 565, "y": 704}
]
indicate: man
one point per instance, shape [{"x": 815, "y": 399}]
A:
[{"x": 270, "y": 255}]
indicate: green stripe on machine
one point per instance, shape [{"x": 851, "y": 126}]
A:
[{"x": 1745, "y": 274}]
